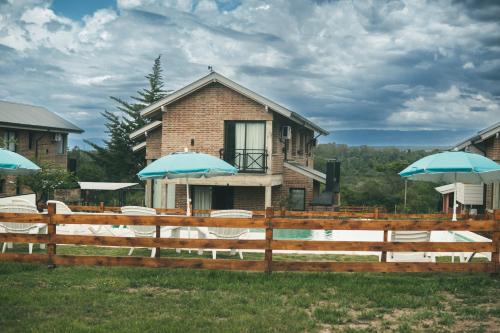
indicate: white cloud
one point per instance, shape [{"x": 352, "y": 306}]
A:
[
  {"x": 450, "y": 109},
  {"x": 346, "y": 64}
]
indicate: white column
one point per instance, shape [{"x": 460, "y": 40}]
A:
[{"x": 268, "y": 197}]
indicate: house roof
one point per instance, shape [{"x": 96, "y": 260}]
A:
[
  {"x": 445, "y": 189},
  {"x": 143, "y": 130},
  {"x": 306, "y": 171},
  {"x": 216, "y": 77},
  {"x": 103, "y": 186},
  {"x": 482, "y": 135},
  {"x": 139, "y": 146},
  {"x": 24, "y": 116}
]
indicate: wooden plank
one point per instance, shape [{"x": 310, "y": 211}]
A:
[
  {"x": 380, "y": 267},
  {"x": 51, "y": 232},
  {"x": 350, "y": 224},
  {"x": 161, "y": 242},
  {"x": 182, "y": 221},
  {"x": 23, "y": 238},
  {"x": 24, "y": 257},
  {"x": 383, "y": 257},
  {"x": 268, "y": 255},
  {"x": 382, "y": 246},
  {"x": 223, "y": 264},
  {"x": 23, "y": 217}
]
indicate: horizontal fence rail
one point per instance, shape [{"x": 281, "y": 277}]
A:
[{"x": 268, "y": 224}]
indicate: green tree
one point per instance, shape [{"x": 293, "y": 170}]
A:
[
  {"x": 116, "y": 157},
  {"x": 369, "y": 177},
  {"x": 44, "y": 182}
]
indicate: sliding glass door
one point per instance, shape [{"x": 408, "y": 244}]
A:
[{"x": 245, "y": 145}]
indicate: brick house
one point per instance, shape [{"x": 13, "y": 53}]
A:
[
  {"x": 487, "y": 143},
  {"x": 35, "y": 133},
  {"x": 269, "y": 144}
]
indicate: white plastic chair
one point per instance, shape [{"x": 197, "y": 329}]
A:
[
  {"x": 61, "y": 207},
  {"x": 411, "y": 236},
  {"x": 229, "y": 233},
  {"x": 21, "y": 201},
  {"x": 140, "y": 230},
  {"x": 19, "y": 227}
]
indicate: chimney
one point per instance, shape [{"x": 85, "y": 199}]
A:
[
  {"x": 332, "y": 186},
  {"x": 332, "y": 176}
]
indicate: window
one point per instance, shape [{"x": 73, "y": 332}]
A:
[
  {"x": 245, "y": 145},
  {"x": 2, "y": 185},
  {"x": 60, "y": 140},
  {"x": 297, "y": 197},
  {"x": 10, "y": 139}
]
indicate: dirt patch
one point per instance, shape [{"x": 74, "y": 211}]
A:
[{"x": 157, "y": 291}]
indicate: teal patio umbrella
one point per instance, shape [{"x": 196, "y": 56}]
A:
[
  {"x": 12, "y": 163},
  {"x": 453, "y": 167},
  {"x": 187, "y": 165}
]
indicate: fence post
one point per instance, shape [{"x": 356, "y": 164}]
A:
[
  {"x": 158, "y": 234},
  {"x": 51, "y": 231},
  {"x": 101, "y": 207},
  {"x": 269, "y": 239},
  {"x": 376, "y": 213},
  {"x": 383, "y": 258},
  {"x": 495, "y": 256}
]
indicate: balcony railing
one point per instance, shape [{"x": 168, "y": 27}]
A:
[{"x": 246, "y": 160}]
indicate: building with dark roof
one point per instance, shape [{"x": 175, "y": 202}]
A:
[{"x": 35, "y": 133}]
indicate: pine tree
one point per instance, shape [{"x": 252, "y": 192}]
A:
[{"x": 117, "y": 159}]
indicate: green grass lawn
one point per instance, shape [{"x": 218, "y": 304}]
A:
[{"x": 124, "y": 299}]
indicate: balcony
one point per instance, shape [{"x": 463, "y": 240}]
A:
[{"x": 246, "y": 160}]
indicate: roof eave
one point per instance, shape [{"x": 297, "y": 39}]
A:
[{"x": 76, "y": 130}]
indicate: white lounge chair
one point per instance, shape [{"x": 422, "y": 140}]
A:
[
  {"x": 19, "y": 227},
  {"x": 411, "y": 236},
  {"x": 141, "y": 230},
  {"x": 61, "y": 207},
  {"x": 21, "y": 201},
  {"x": 229, "y": 233}
]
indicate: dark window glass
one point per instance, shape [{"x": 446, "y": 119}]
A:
[{"x": 297, "y": 199}]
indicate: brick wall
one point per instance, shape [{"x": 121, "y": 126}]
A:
[
  {"x": 47, "y": 153},
  {"x": 249, "y": 197},
  {"x": 153, "y": 144},
  {"x": 200, "y": 116},
  {"x": 492, "y": 148},
  {"x": 292, "y": 179}
]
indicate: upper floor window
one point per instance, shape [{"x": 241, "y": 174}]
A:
[
  {"x": 10, "y": 138},
  {"x": 60, "y": 141},
  {"x": 245, "y": 145}
]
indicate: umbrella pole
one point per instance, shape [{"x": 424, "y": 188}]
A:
[
  {"x": 454, "y": 218},
  {"x": 188, "y": 208}
]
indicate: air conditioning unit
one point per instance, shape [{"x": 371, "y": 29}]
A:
[
  {"x": 286, "y": 132},
  {"x": 57, "y": 137}
]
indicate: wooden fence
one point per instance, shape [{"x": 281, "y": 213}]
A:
[
  {"x": 374, "y": 213},
  {"x": 269, "y": 223}
]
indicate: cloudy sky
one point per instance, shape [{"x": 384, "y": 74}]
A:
[{"x": 372, "y": 72}]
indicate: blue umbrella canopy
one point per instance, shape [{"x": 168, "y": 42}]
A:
[
  {"x": 187, "y": 165},
  {"x": 15, "y": 164},
  {"x": 452, "y": 167}
]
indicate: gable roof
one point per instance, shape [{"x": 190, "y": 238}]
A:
[
  {"x": 24, "y": 116},
  {"x": 216, "y": 77},
  {"x": 482, "y": 135}
]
